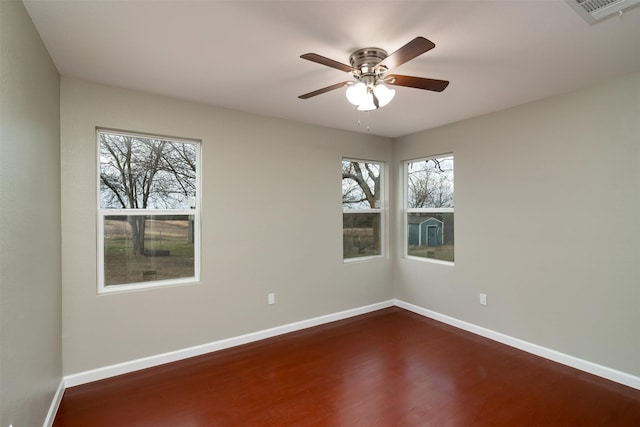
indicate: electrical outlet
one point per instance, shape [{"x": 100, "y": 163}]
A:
[
  {"x": 483, "y": 299},
  {"x": 271, "y": 298}
]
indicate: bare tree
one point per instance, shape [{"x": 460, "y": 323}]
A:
[
  {"x": 430, "y": 183},
  {"x": 360, "y": 186},
  {"x": 145, "y": 173}
]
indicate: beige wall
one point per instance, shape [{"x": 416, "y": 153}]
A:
[
  {"x": 547, "y": 224},
  {"x": 271, "y": 222},
  {"x": 30, "y": 302}
]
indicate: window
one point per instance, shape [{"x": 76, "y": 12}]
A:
[
  {"x": 429, "y": 206},
  {"x": 148, "y": 211},
  {"x": 362, "y": 213}
]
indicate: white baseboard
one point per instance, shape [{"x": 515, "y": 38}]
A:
[
  {"x": 148, "y": 362},
  {"x": 174, "y": 356},
  {"x": 547, "y": 353},
  {"x": 55, "y": 404}
]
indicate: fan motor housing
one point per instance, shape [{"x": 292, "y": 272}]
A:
[{"x": 367, "y": 58}]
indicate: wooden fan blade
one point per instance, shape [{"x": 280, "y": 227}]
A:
[
  {"x": 324, "y": 90},
  {"x": 416, "y": 82},
  {"x": 314, "y": 57},
  {"x": 414, "y": 48}
]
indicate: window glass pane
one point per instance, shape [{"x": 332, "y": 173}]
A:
[
  {"x": 430, "y": 235},
  {"x": 360, "y": 234},
  {"x": 360, "y": 185},
  {"x": 146, "y": 173},
  {"x": 139, "y": 248},
  {"x": 430, "y": 183}
]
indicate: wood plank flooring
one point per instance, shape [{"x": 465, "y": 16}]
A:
[{"x": 387, "y": 368}]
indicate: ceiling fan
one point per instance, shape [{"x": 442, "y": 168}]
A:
[{"x": 368, "y": 90}]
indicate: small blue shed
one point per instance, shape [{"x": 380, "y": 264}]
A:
[{"x": 426, "y": 233}]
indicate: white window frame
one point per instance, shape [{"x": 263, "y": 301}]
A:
[
  {"x": 407, "y": 210},
  {"x": 103, "y": 212},
  {"x": 381, "y": 210}
]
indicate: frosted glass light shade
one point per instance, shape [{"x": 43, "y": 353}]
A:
[
  {"x": 357, "y": 93},
  {"x": 384, "y": 94},
  {"x": 367, "y": 104}
]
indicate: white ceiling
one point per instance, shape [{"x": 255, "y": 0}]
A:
[{"x": 245, "y": 55}]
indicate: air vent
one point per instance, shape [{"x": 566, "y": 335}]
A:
[{"x": 594, "y": 11}]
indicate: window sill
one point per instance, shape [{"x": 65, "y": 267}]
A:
[
  {"x": 131, "y": 287},
  {"x": 364, "y": 259},
  {"x": 430, "y": 260}
]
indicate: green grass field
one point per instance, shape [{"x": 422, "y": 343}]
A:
[{"x": 443, "y": 253}]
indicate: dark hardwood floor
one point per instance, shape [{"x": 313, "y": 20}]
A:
[{"x": 387, "y": 368}]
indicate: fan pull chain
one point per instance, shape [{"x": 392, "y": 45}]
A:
[{"x": 368, "y": 119}]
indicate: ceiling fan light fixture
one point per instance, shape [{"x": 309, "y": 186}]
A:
[{"x": 366, "y": 98}]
